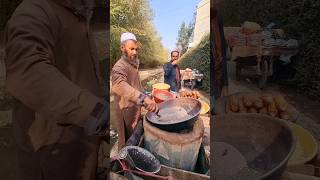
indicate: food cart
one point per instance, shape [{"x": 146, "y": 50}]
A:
[
  {"x": 191, "y": 78},
  {"x": 260, "y": 48}
]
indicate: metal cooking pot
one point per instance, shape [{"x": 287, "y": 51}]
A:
[
  {"x": 141, "y": 159},
  {"x": 176, "y": 114},
  {"x": 264, "y": 143}
]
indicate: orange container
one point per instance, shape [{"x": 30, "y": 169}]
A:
[
  {"x": 161, "y": 86},
  {"x": 160, "y": 95}
]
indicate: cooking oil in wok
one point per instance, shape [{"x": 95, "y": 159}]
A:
[
  {"x": 230, "y": 164},
  {"x": 171, "y": 114}
]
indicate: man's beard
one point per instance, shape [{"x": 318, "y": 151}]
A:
[{"x": 133, "y": 58}]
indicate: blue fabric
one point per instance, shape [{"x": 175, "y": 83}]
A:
[{"x": 170, "y": 76}]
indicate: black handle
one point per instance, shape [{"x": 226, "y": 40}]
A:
[{"x": 136, "y": 135}]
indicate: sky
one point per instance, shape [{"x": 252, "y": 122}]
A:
[{"x": 168, "y": 16}]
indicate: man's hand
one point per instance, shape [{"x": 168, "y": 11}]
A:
[
  {"x": 150, "y": 105},
  {"x": 174, "y": 62}
]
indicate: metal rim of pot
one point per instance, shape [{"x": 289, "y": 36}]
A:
[
  {"x": 177, "y": 125},
  {"x": 124, "y": 154},
  {"x": 281, "y": 166},
  {"x": 286, "y": 159},
  {"x": 151, "y": 114}
]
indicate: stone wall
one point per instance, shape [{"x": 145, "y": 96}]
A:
[{"x": 202, "y": 24}]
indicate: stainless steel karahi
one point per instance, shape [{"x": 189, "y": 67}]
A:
[{"x": 176, "y": 114}]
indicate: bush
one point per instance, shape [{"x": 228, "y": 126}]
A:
[
  {"x": 199, "y": 58},
  {"x": 299, "y": 19}
]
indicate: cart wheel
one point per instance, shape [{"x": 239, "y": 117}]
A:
[{"x": 264, "y": 74}]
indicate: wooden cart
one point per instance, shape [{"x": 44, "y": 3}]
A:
[
  {"x": 262, "y": 57},
  {"x": 250, "y": 50}
]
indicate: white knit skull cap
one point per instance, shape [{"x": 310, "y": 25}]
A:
[{"x": 127, "y": 36}]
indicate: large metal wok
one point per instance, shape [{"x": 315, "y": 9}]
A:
[
  {"x": 250, "y": 146},
  {"x": 175, "y": 114}
]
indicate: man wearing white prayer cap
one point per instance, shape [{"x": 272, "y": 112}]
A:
[
  {"x": 127, "y": 36},
  {"x": 127, "y": 89}
]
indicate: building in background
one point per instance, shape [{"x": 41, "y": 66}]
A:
[{"x": 202, "y": 24}]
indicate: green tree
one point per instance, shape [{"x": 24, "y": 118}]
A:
[
  {"x": 184, "y": 36},
  {"x": 135, "y": 16}
]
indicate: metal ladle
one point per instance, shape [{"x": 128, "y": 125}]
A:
[{"x": 157, "y": 113}]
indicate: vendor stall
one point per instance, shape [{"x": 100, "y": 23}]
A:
[
  {"x": 191, "y": 78},
  {"x": 254, "y": 47}
]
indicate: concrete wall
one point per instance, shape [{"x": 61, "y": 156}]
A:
[{"x": 202, "y": 25}]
